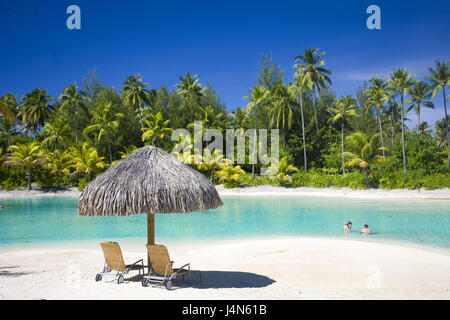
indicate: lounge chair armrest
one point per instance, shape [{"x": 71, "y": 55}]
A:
[
  {"x": 188, "y": 265},
  {"x": 140, "y": 260}
]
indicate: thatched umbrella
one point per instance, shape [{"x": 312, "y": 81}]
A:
[{"x": 148, "y": 181}]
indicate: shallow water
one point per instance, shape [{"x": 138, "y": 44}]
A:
[{"x": 422, "y": 222}]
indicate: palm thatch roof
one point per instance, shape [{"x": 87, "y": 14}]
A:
[{"x": 148, "y": 181}]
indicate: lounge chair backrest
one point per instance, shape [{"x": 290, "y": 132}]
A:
[
  {"x": 113, "y": 255},
  {"x": 159, "y": 259}
]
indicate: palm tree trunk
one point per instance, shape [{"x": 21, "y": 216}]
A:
[
  {"x": 446, "y": 126},
  {"x": 140, "y": 117},
  {"x": 403, "y": 137},
  {"x": 418, "y": 120},
  {"x": 303, "y": 133},
  {"x": 367, "y": 178},
  {"x": 29, "y": 178},
  {"x": 76, "y": 124},
  {"x": 109, "y": 148},
  {"x": 392, "y": 129},
  {"x": 342, "y": 146},
  {"x": 314, "y": 108},
  {"x": 212, "y": 173},
  {"x": 255, "y": 147},
  {"x": 381, "y": 131}
]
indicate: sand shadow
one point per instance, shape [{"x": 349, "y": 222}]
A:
[
  {"x": 225, "y": 280},
  {"x": 7, "y": 273},
  {"x": 214, "y": 280}
]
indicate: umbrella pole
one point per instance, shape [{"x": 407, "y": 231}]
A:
[
  {"x": 150, "y": 228},
  {"x": 150, "y": 234}
]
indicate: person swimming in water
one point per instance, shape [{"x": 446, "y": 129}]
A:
[
  {"x": 366, "y": 229},
  {"x": 348, "y": 226}
]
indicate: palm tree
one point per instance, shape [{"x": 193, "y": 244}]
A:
[
  {"x": 191, "y": 91},
  {"x": 257, "y": 95},
  {"x": 377, "y": 95},
  {"x": 344, "y": 107},
  {"x": 303, "y": 84},
  {"x": 28, "y": 155},
  {"x": 156, "y": 127},
  {"x": 439, "y": 78},
  {"x": 230, "y": 175},
  {"x": 135, "y": 95},
  {"x": 7, "y": 108},
  {"x": 7, "y": 130},
  {"x": 423, "y": 129},
  {"x": 59, "y": 164},
  {"x": 105, "y": 122},
  {"x": 420, "y": 92},
  {"x": 212, "y": 161},
  {"x": 86, "y": 160},
  {"x": 127, "y": 151},
  {"x": 56, "y": 131},
  {"x": 441, "y": 132},
  {"x": 282, "y": 109},
  {"x": 364, "y": 151},
  {"x": 35, "y": 109},
  {"x": 311, "y": 65},
  {"x": 75, "y": 100},
  {"x": 402, "y": 80},
  {"x": 282, "y": 169}
]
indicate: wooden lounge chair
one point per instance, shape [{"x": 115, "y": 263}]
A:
[
  {"x": 160, "y": 267},
  {"x": 115, "y": 266}
]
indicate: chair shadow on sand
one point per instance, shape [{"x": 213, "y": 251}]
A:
[
  {"x": 4, "y": 272},
  {"x": 219, "y": 280}
]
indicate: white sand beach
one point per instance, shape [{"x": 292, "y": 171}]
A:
[
  {"x": 443, "y": 194},
  {"x": 281, "y": 268}
]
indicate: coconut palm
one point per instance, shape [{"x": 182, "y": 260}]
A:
[
  {"x": 423, "y": 129},
  {"x": 127, "y": 150},
  {"x": 377, "y": 95},
  {"x": 402, "y": 80},
  {"x": 105, "y": 122},
  {"x": 56, "y": 131},
  {"x": 281, "y": 112},
  {"x": 441, "y": 132},
  {"x": 364, "y": 151},
  {"x": 135, "y": 95},
  {"x": 156, "y": 127},
  {"x": 257, "y": 96},
  {"x": 35, "y": 110},
  {"x": 59, "y": 163},
  {"x": 311, "y": 64},
  {"x": 343, "y": 108},
  {"x": 420, "y": 92},
  {"x": 8, "y": 105},
  {"x": 302, "y": 84},
  {"x": 7, "y": 130},
  {"x": 191, "y": 91},
  {"x": 74, "y": 100},
  {"x": 28, "y": 155},
  {"x": 440, "y": 78},
  {"x": 230, "y": 175},
  {"x": 282, "y": 169},
  {"x": 212, "y": 161},
  {"x": 86, "y": 160}
]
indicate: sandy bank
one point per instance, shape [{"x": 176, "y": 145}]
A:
[
  {"x": 285, "y": 268},
  {"x": 441, "y": 194}
]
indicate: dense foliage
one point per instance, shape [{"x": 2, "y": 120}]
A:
[{"x": 353, "y": 141}]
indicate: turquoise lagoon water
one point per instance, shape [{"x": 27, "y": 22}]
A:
[{"x": 47, "y": 219}]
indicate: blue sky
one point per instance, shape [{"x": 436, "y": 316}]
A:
[{"x": 220, "y": 41}]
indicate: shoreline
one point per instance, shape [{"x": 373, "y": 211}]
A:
[
  {"x": 278, "y": 268},
  {"x": 265, "y": 190}
]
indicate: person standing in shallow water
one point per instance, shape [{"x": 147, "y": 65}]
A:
[
  {"x": 366, "y": 229},
  {"x": 348, "y": 226}
]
